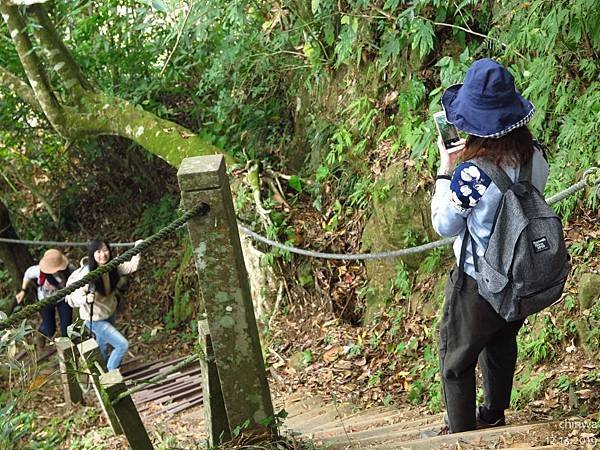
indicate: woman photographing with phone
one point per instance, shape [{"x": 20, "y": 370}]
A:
[{"x": 493, "y": 114}]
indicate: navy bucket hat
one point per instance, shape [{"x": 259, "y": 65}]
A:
[{"x": 487, "y": 103}]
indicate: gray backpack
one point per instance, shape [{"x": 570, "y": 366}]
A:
[{"x": 526, "y": 263}]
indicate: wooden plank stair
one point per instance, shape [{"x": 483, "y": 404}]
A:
[{"x": 341, "y": 426}]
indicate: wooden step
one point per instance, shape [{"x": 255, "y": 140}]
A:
[
  {"x": 303, "y": 406},
  {"x": 391, "y": 441},
  {"x": 398, "y": 432},
  {"x": 309, "y": 414},
  {"x": 328, "y": 414},
  {"x": 361, "y": 422},
  {"x": 373, "y": 413}
]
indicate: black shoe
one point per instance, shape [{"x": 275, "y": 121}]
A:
[
  {"x": 484, "y": 424},
  {"x": 444, "y": 430}
]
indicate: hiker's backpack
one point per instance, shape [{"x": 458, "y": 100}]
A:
[{"x": 526, "y": 263}]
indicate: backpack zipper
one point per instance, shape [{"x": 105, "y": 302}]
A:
[{"x": 558, "y": 283}]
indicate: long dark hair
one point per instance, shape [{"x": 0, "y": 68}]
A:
[
  {"x": 514, "y": 149},
  {"x": 113, "y": 275}
]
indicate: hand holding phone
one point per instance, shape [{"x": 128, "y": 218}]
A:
[{"x": 448, "y": 133}]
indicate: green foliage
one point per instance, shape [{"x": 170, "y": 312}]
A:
[
  {"x": 561, "y": 80},
  {"x": 182, "y": 308},
  {"x": 539, "y": 342},
  {"x": 295, "y": 183},
  {"x": 569, "y": 302},
  {"x": 355, "y": 350},
  {"x": 433, "y": 260},
  {"x": 563, "y": 382},
  {"x": 21, "y": 429},
  {"x": 584, "y": 248},
  {"x": 374, "y": 379},
  {"x": 526, "y": 388},
  {"x": 426, "y": 387},
  {"x": 402, "y": 280},
  {"x": 158, "y": 216},
  {"x": 9, "y": 339},
  {"x": 307, "y": 357}
]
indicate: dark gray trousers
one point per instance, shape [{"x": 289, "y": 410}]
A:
[{"x": 470, "y": 331}]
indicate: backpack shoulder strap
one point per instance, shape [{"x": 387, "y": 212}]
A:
[
  {"x": 525, "y": 171},
  {"x": 538, "y": 146},
  {"x": 496, "y": 173}
]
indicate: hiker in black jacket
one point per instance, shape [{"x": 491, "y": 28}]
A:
[{"x": 493, "y": 114}]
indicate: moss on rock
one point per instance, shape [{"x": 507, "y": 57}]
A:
[
  {"x": 400, "y": 219},
  {"x": 589, "y": 290}
]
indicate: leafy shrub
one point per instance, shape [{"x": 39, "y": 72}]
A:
[{"x": 158, "y": 216}]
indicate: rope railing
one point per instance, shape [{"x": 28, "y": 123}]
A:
[
  {"x": 29, "y": 310},
  {"x": 59, "y": 243},
  {"x": 590, "y": 178}
]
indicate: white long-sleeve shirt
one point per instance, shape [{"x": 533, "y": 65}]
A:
[
  {"x": 104, "y": 305},
  {"x": 46, "y": 289},
  {"x": 470, "y": 198}
]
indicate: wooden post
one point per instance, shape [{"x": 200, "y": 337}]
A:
[
  {"x": 226, "y": 292},
  {"x": 125, "y": 411},
  {"x": 92, "y": 363},
  {"x": 215, "y": 415},
  {"x": 66, "y": 361}
]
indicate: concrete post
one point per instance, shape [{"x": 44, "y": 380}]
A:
[
  {"x": 66, "y": 362},
  {"x": 125, "y": 411},
  {"x": 94, "y": 365},
  {"x": 226, "y": 293},
  {"x": 215, "y": 415}
]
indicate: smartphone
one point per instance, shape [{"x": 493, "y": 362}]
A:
[{"x": 447, "y": 131}]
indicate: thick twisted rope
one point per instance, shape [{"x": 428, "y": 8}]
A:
[
  {"x": 590, "y": 178},
  {"x": 164, "y": 374},
  {"x": 341, "y": 256},
  {"x": 28, "y": 311},
  {"x": 59, "y": 243}
]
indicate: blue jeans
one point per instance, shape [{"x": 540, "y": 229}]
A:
[{"x": 107, "y": 334}]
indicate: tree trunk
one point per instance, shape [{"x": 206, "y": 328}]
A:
[
  {"x": 87, "y": 112},
  {"x": 104, "y": 115},
  {"x": 16, "y": 257}
]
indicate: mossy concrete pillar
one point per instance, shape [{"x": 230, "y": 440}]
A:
[
  {"x": 93, "y": 364},
  {"x": 215, "y": 415},
  {"x": 68, "y": 372},
  {"x": 226, "y": 294},
  {"x": 125, "y": 410}
]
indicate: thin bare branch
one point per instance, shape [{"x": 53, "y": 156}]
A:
[
  {"x": 474, "y": 33},
  {"x": 187, "y": 16}
]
